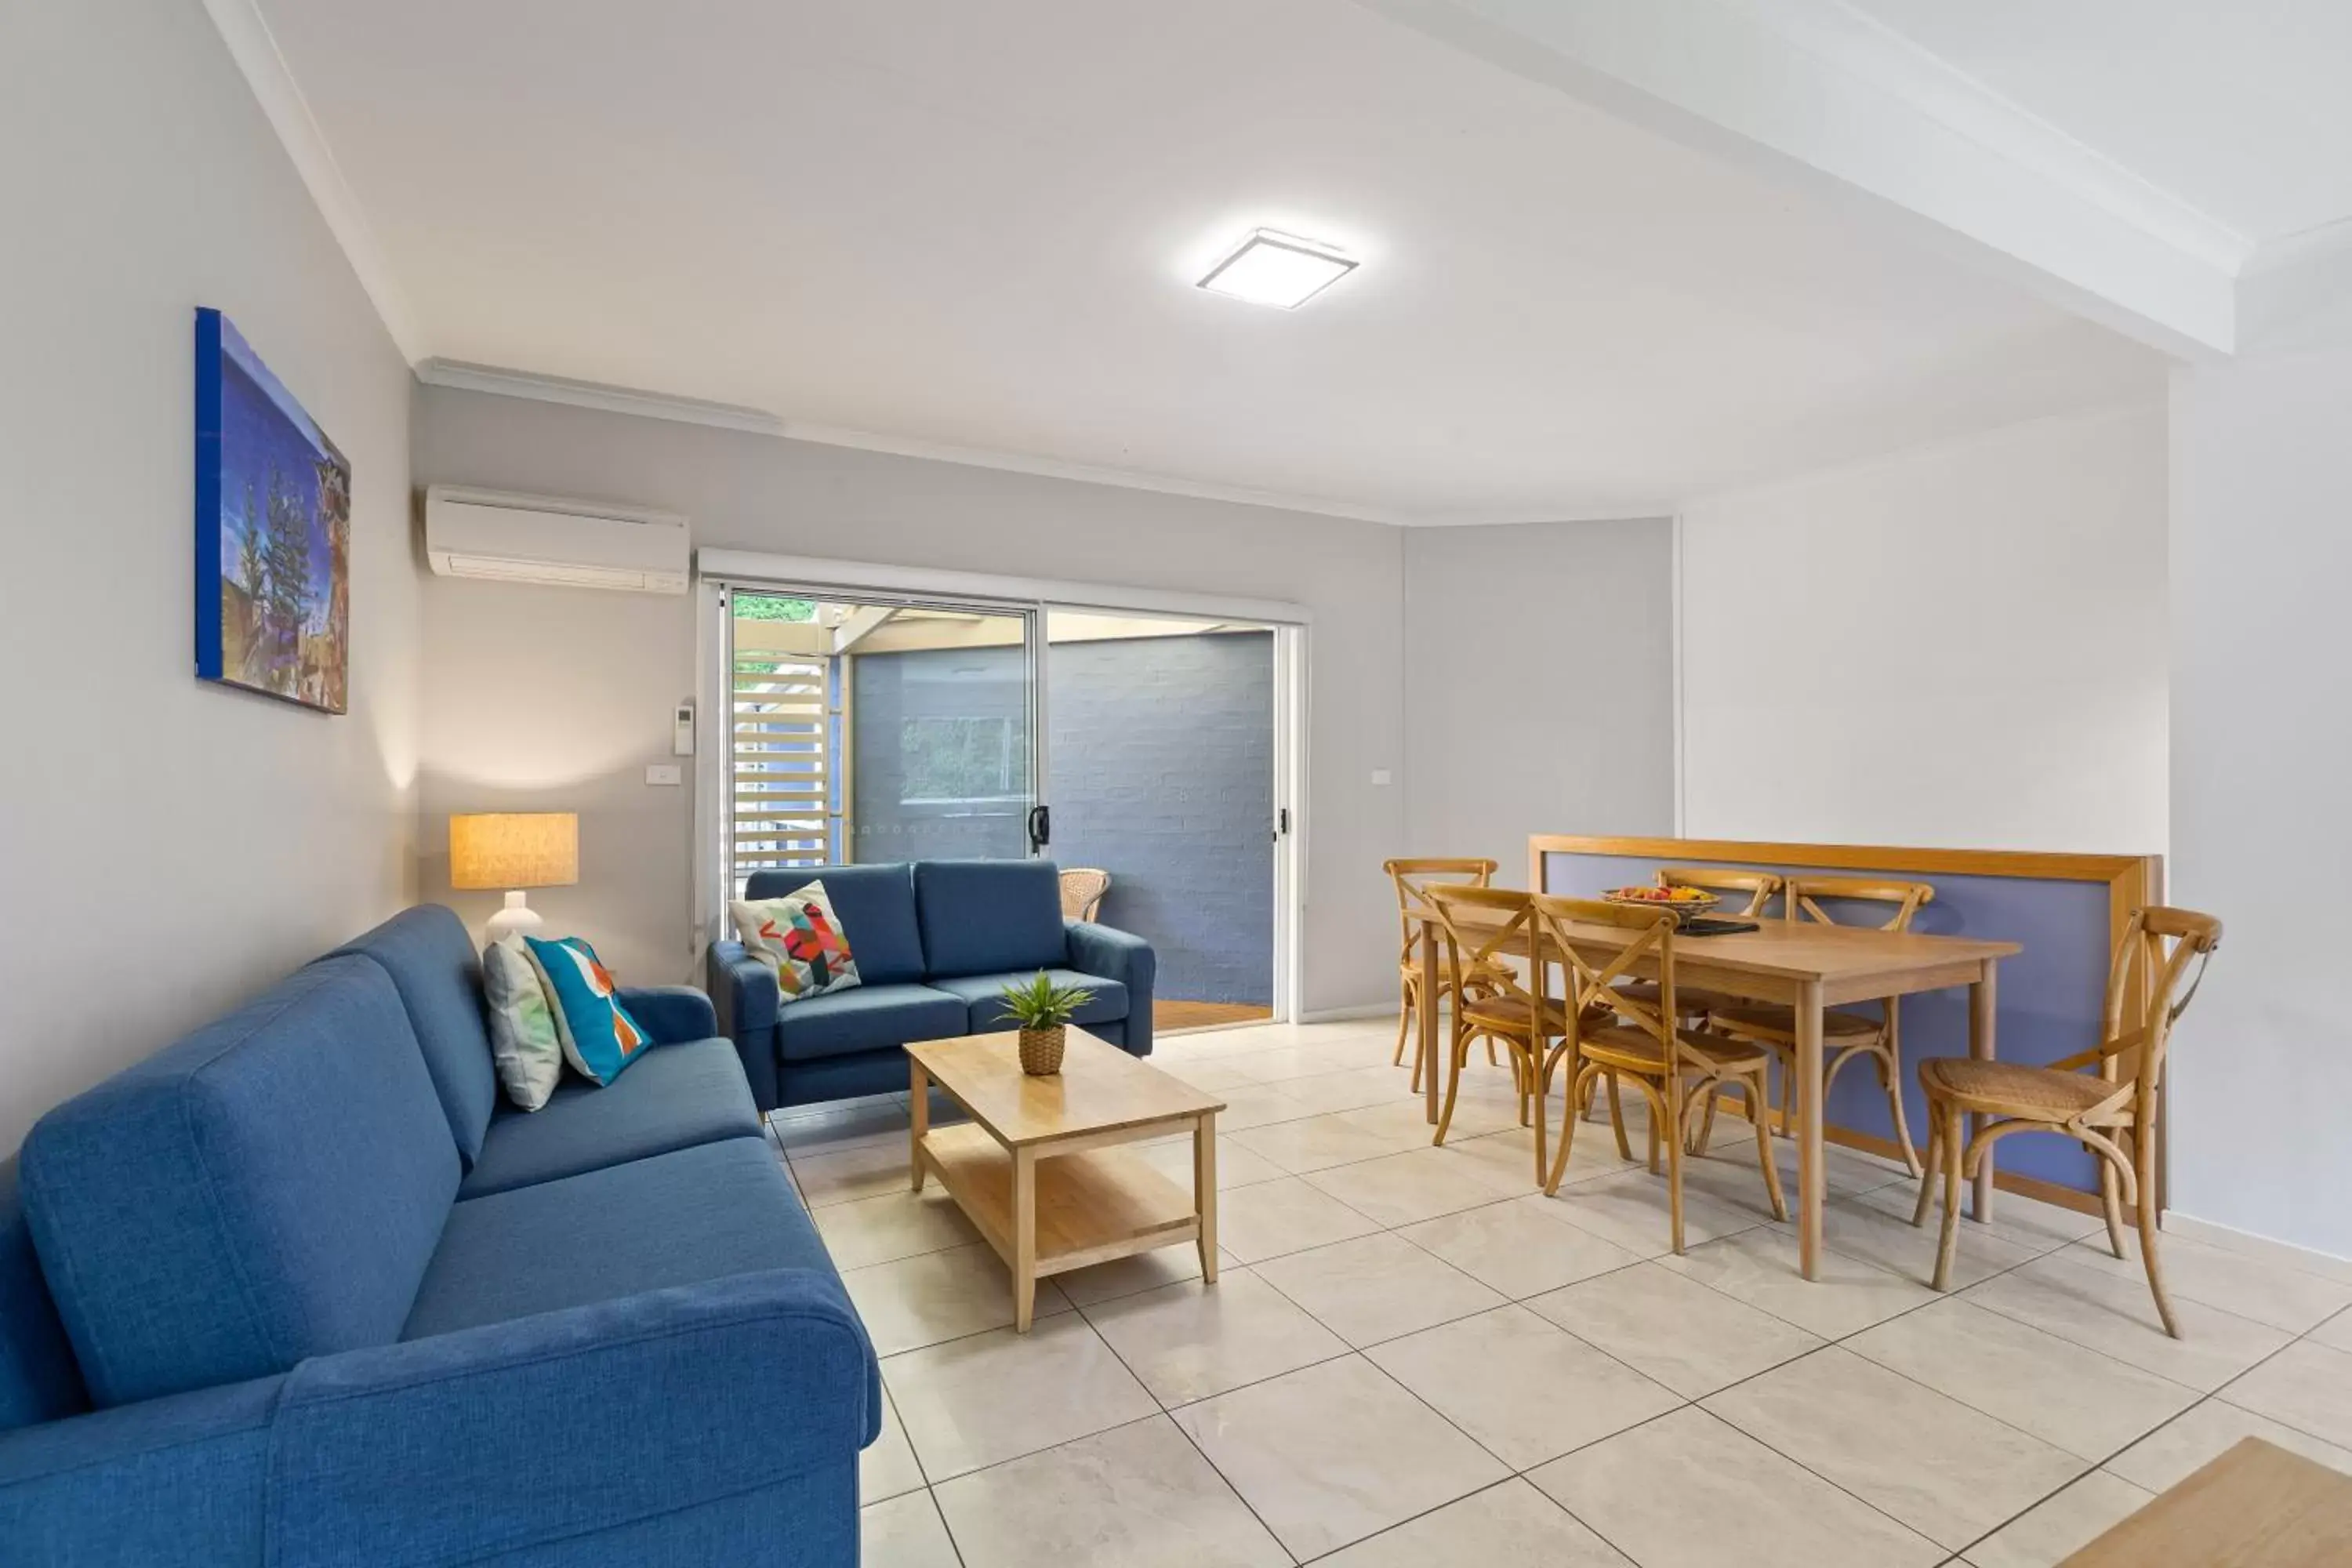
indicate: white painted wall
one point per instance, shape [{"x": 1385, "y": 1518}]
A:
[
  {"x": 1958, "y": 645},
  {"x": 2261, "y": 766},
  {"x": 1521, "y": 643},
  {"x": 168, "y": 847},
  {"x": 557, "y": 699}
]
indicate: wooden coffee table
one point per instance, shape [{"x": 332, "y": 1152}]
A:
[{"x": 1039, "y": 1170}]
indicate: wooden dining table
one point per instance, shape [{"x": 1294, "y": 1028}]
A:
[{"x": 1806, "y": 965}]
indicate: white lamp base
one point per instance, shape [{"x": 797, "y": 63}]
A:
[{"x": 513, "y": 920}]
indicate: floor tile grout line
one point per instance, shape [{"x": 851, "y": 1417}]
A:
[
  {"x": 2201, "y": 1400},
  {"x": 2037, "y": 1253}
]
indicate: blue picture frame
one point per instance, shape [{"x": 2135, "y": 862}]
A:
[{"x": 273, "y": 532}]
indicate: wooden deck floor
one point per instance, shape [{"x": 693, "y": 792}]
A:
[{"x": 1167, "y": 1013}]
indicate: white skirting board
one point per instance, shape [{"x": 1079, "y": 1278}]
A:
[
  {"x": 2229, "y": 1239},
  {"x": 1343, "y": 1015}
]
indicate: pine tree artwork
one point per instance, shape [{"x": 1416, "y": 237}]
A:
[{"x": 273, "y": 532}]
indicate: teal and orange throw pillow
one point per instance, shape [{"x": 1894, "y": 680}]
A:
[
  {"x": 801, "y": 939},
  {"x": 599, "y": 1036}
]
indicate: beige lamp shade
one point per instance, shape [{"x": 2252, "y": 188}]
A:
[{"x": 514, "y": 850}]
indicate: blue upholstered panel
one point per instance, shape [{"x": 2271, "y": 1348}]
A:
[
  {"x": 743, "y": 997},
  {"x": 269, "y": 1188},
  {"x": 876, "y": 906},
  {"x": 670, "y": 1013},
  {"x": 635, "y": 1408},
  {"x": 984, "y": 917},
  {"x": 697, "y": 1213},
  {"x": 675, "y": 1097},
  {"x": 1128, "y": 959},
  {"x": 162, "y": 1483},
  {"x": 38, "y": 1380},
  {"x": 430, "y": 956},
  {"x": 740, "y": 1530},
  {"x": 865, "y": 1017},
  {"x": 882, "y": 1071},
  {"x": 984, "y": 994}
]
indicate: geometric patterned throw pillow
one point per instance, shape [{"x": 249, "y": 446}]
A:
[
  {"x": 599, "y": 1036},
  {"x": 801, "y": 939}
]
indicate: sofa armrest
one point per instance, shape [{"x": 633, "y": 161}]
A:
[
  {"x": 1127, "y": 958},
  {"x": 514, "y": 1436},
  {"x": 671, "y": 1012},
  {"x": 180, "y": 1479},
  {"x": 744, "y": 992}
]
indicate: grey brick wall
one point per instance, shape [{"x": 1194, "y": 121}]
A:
[
  {"x": 1161, "y": 751},
  {"x": 1162, "y": 773}
]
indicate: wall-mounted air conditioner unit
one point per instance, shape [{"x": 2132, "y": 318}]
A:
[{"x": 539, "y": 539}]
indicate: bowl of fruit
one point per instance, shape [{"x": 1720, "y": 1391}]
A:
[{"x": 1680, "y": 903}]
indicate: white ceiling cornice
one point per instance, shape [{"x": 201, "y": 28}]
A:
[
  {"x": 1822, "y": 94},
  {"x": 760, "y": 421},
  {"x": 255, "y": 49},
  {"x": 596, "y": 395},
  {"x": 1871, "y": 50}
]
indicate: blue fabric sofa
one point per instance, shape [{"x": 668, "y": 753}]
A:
[
  {"x": 299, "y": 1289},
  {"x": 935, "y": 943}
]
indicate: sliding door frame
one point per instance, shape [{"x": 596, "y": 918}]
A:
[{"x": 720, "y": 572}]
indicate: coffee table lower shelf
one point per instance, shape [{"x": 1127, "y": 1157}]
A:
[{"x": 1093, "y": 1207}]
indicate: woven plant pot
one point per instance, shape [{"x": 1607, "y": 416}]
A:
[{"x": 1041, "y": 1051}]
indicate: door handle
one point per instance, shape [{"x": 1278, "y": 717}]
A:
[{"x": 1041, "y": 826}]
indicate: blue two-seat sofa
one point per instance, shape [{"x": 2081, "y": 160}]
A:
[
  {"x": 935, "y": 943},
  {"x": 299, "y": 1289}
]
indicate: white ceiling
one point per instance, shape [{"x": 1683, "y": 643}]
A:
[
  {"x": 2243, "y": 108},
  {"x": 977, "y": 225}
]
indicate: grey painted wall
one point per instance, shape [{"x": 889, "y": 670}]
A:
[
  {"x": 1161, "y": 768},
  {"x": 902, "y": 818},
  {"x": 247, "y": 834},
  {"x": 1524, "y": 642}
]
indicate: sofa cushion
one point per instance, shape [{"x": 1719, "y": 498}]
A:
[
  {"x": 877, "y": 907},
  {"x": 430, "y": 956},
  {"x": 865, "y": 1019},
  {"x": 676, "y": 1097},
  {"x": 798, "y": 936},
  {"x": 524, "y": 1046},
  {"x": 985, "y": 995},
  {"x": 39, "y": 1380},
  {"x": 600, "y": 1039},
  {"x": 986, "y": 917},
  {"x": 269, "y": 1188},
  {"x": 679, "y": 1218}
]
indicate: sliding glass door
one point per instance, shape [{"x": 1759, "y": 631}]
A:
[
  {"x": 1164, "y": 774},
  {"x": 869, "y": 728}
]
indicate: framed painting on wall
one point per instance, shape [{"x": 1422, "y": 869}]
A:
[{"x": 273, "y": 532}]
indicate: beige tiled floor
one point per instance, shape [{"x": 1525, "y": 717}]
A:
[{"x": 1413, "y": 1357}]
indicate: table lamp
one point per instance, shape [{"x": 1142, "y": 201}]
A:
[{"x": 513, "y": 850}]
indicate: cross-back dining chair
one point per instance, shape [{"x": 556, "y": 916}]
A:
[
  {"x": 1696, "y": 1002},
  {"x": 1846, "y": 1035},
  {"x": 2106, "y": 1097},
  {"x": 1413, "y": 879},
  {"x": 1676, "y": 1070},
  {"x": 1476, "y": 926}
]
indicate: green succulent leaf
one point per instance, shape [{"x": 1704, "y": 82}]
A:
[{"x": 1038, "y": 1003}]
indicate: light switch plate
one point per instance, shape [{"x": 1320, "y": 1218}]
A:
[
  {"x": 665, "y": 774},
  {"x": 1380, "y": 776}
]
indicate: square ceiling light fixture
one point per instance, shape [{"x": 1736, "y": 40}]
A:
[{"x": 1278, "y": 270}]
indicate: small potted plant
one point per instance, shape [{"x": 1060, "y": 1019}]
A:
[{"x": 1043, "y": 1010}]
